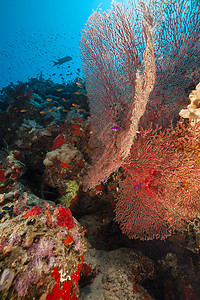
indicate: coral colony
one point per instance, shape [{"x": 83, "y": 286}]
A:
[{"x": 108, "y": 162}]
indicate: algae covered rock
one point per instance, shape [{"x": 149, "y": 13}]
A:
[
  {"x": 71, "y": 192},
  {"x": 41, "y": 254}
]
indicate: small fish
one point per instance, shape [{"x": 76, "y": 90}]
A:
[
  {"x": 79, "y": 110},
  {"x": 63, "y": 99},
  {"x": 61, "y": 61},
  {"x": 59, "y": 90},
  {"x": 75, "y": 105},
  {"x": 115, "y": 127},
  {"x": 79, "y": 85},
  {"x": 51, "y": 109},
  {"x": 42, "y": 112},
  {"x": 40, "y": 283},
  {"x": 23, "y": 110},
  {"x": 59, "y": 107},
  {"x": 80, "y": 79},
  {"x": 65, "y": 110},
  {"x": 136, "y": 186},
  {"x": 78, "y": 93},
  {"x": 49, "y": 99}
]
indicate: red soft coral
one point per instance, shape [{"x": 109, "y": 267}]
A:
[
  {"x": 34, "y": 211},
  {"x": 64, "y": 217}
]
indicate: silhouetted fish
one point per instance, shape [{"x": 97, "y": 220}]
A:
[{"x": 63, "y": 60}]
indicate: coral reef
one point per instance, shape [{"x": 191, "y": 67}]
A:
[
  {"x": 42, "y": 244},
  {"x": 136, "y": 233}
]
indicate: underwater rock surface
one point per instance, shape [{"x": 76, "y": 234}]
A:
[
  {"x": 41, "y": 250},
  {"x": 116, "y": 275}
]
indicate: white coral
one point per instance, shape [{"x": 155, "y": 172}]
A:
[
  {"x": 193, "y": 109},
  {"x": 64, "y": 154}
]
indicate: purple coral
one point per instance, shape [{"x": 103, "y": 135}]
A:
[{"x": 38, "y": 254}]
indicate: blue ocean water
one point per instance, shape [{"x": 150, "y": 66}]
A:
[{"x": 35, "y": 33}]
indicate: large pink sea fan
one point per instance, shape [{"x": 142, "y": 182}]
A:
[{"x": 119, "y": 75}]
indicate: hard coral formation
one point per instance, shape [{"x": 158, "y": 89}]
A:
[
  {"x": 193, "y": 109},
  {"x": 65, "y": 163},
  {"x": 41, "y": 246},
  {"x": 29, "y": 132},
  {"x": 10, "y": 168},
  {"x": 64, "y": 154},
  {"x": 33, "y": 245}
]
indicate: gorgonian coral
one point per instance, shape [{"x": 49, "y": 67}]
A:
[
  {"x": 161, "y": 183},
  {"x": 119, "y": 78},
  {"x": 138, "y": 62}
]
